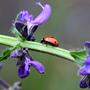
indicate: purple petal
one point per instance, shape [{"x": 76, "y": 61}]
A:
[
  {"x": 87, "y": 62},
  {"x": 16, "y": 54},
  {"x": 85, "y": 70},
  {"x": 83, "y": 84},
  {"x": 43, "y": 16},
  {"x": 87, "y": 44},
  {"x": 24, "y": 17},
  {"x": 27, "y": 63},
  {"x": 23, "y": 71},
  {"x": 38, "y": 66}
]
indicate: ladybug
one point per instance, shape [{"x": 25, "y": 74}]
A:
[{"x": 50, "y": 40}]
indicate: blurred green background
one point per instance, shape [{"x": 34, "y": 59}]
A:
[{"x": 69, "y": 23}]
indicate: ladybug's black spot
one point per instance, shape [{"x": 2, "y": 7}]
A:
[{"x": 55, "y": 42}]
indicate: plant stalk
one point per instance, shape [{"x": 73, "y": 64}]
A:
[{"x": 12, "y": 42}]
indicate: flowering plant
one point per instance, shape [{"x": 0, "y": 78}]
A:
[{"x": 24, "y": 28}]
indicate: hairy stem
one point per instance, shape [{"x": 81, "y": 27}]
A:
[{"x": 12, "y": 41}]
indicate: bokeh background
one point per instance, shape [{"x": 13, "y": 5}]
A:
[{"x": 69, "y": 23}]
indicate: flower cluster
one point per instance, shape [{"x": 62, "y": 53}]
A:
[
  {"x": 25, "y": 62},
  {"x": 26, "y": 25},
  {"x": 85, "y": 70}
]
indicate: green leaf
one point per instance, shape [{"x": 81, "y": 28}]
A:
[
  {"x": 5, "y": 54},
  {"x": 79, "y": 56}
]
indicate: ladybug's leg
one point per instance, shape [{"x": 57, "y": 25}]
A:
[
  {"x": 42, "y": 41},
  {"x": 48, "y": 43}
]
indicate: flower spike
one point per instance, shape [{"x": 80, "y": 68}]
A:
[
  {"x": 25, "y": 62},
  {"x": 85, "y": 73},
  {"x": 27, "y": 25}
]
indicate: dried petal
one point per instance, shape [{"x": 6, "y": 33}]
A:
[{"x": 25, "y": 62}]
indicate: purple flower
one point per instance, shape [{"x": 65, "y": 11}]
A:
[
  {"x": 26, "y": 18},
  {"x": 24, "y": 70},
  {"x": 25, "y": 62},
  {"x": 27, "y": 25},
  {"x": 85, "y": 73},
  {"x": 85, "y": 70}
]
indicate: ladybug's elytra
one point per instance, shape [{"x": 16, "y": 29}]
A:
[{"x": 50, "y": 40}]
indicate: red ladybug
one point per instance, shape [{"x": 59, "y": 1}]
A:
[{"x": 50, "y": 40}]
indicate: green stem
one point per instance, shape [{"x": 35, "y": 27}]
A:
[{"x": 12, "y": 41}]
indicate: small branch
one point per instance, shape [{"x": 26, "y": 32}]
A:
[{"x": 11, "y": 41}]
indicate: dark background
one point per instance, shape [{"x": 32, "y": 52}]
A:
[{"x": 69, "y": 23}]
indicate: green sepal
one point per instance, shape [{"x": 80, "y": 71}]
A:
[
  {"x": 17, "y": 34},
  {"x": 79, "y": 56}
]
